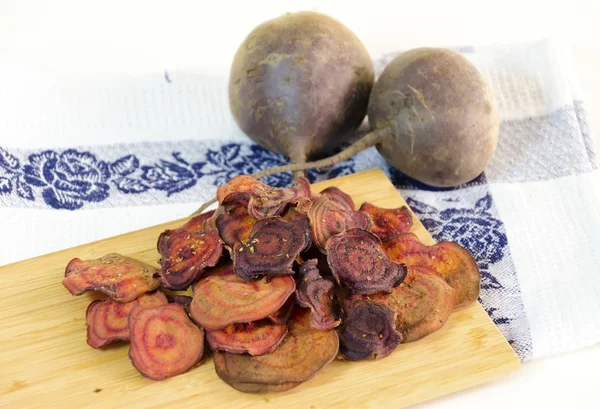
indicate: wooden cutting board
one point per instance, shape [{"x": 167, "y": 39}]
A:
[{"x": 46, "y": 362}]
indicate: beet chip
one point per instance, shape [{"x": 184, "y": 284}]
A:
[
  {"x": 423, "y": 303},
  {"x": 358, "y": 262},
  {"x": 327, "y": 219},
  {"x": 339, "y": 198},
  {"x": 388, "y": 222},
  {"x": 164, "y": 341},
  {"x": 196, "y": 223},
  {"x": 107, "y": 320},
  {"x": 234, "y": 224},
  {"x": 254, "y": 338},
  {"x": 303, "y": 352},
  {"x": 263, "y": 200},
  {"x": 222, "y": 298},
  {"x": 447, "y": 259},
  {"x": 185, "y": 255},
  {"x": 282, "y": 315},
  {"x": 271, "y": 249},
  {"x": 122, "y": 278},
  {"x": 183, "y": 300},
  {"x": 316, "y": 293},
  {"x": 368, "y": 331}
]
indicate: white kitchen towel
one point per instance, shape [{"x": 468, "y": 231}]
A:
[{"x": 82, "y": 159}]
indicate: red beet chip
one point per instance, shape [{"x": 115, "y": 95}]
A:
[
  {"x": 263, "y": 200},
  {"x": 271, "y": 248},
  {"x": 422, "y": 303},
  {"x": 164, "y": 341},
  {"x": 107, "y": 319},
  {"x": 122, "y": 278},
  {"x": 185, "y": 255},
  {"x": 234, "y": 224},
  {"x": 303, "y": 352},
  {"x": 368, "y": 331},
  {"x": 327, "y": 219},
  {"x": 447, "y": 259},
  {"x": 222, "y": 298},
  {"x": 358, "y": 262},
  {"x": 183, "y": 300},
  {"x": 339, "y": 198},
  {"x": 196, "y": 223},
  {"x": 254, "y": 338},
  {"x": 282, "y": 315},
  {"x": 388, "y": 222},
  {"x": 316, "y": 293}
]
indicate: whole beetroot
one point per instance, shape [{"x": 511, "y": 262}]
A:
[
  {"x": 299, "y": 85},
  {"x": 432, "y": 116}
]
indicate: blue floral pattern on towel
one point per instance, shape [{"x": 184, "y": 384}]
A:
[{"x": 69, "y": 179}]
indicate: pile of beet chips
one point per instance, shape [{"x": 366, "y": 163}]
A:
[{"x": 283, "y": 281}]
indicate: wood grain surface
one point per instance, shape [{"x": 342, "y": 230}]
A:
[{"x": 45, "y": 361}]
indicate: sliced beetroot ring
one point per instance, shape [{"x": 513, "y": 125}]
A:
[
  {"x": 222, "y": 298},
  {"x": 316, "y": 293},
  {"x": 164, "y": 341},
  {"x": 254, "y": 338},
  {"x": 388, "y": 222},
  {"x": 368, "y": 331},
  {"x": 358, "y": 262},
  {"x": 272, "y": 248},
  {"x": 107, "y": 319},
  {"x": 122, "y": 278}
]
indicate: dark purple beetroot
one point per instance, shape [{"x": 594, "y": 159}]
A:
[
  {"x": 272, "y": 248},
  {"x": 316, "y": 293},
  {"x": 164, "y": 341},
  {"x": 222, "y": 298},
  {"x": 358, "y": 262},
  {"x": 388, "y": 222},
  {"x": 106, "y": 320},
  {"x": 303, "y": 352},
  {"x": 122, "y": 278},
  {"x": 254, "y": 338},
  {"x": 327, "y": 219},
  {"x": 368, "y": 331},
  {"x": 299, "y": 85},
  {"x": 447, "y": 259},
  {"x": 432, "y": 116}
]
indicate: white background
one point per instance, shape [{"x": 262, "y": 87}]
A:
[{"x": 92, "y": 39}]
